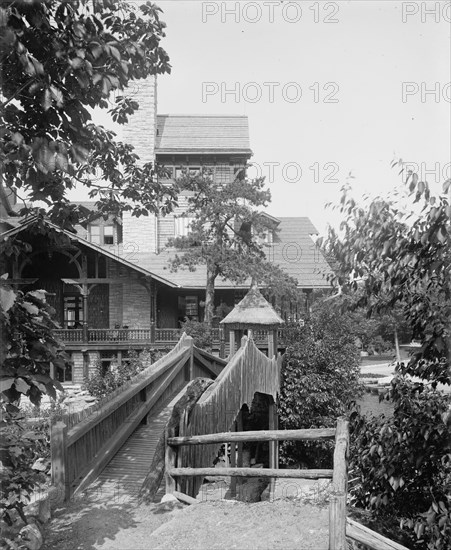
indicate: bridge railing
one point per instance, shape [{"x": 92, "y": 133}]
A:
[{"x": 83, "y": 443}]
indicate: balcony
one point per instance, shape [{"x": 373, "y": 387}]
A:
[
  {"x": 138, "y": 337},
  {"x": 120, "y": 336}
]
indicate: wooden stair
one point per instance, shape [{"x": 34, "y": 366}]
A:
[{"x": 122, "y": 478}]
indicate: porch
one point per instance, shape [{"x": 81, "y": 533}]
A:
[{"x": 139, "y": 337}]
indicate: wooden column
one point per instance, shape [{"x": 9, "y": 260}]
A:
[
  {"x": 338, "y": 496},
  {"x": 58, "y": 445},
  {"x": 273, "y": 446},
  {"x": 271, "y": 351},
  {"x": 233, "y": 465},
  {"x": 221, "y": 342},
  {"x": 170, "y": 461},
  {"x": 232, "y": 342},
  {"x": 239, "y": 458},
  {"x": 85, "y": 314}
]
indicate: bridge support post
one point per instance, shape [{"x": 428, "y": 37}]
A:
[
  {"x": 273, "y": 446},
  {"x": 170, "y": 463},
  {"x": 338, "y": 496},
  {"x": 58, "y": 443}
]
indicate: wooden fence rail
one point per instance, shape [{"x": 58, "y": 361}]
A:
[
  {"x": 337, "y": 509},
  {"x": 80, "y": 450},
  {"x": 368, "y": 537}
]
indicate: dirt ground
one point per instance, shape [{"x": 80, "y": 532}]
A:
[{"x": 283, "y": 524}]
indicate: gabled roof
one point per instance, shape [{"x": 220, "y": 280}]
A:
[
  {"x": 97, "y": 248},
  {"x": 206, "y": 134},
  {"x": 292, "y": 249},
  {"x": 253, "y": 310}
]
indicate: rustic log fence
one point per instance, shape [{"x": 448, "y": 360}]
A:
[
  {"x": 337, "y": 509},
  {"x": 340, "y": 527},
  {"x": 83, "y": 443}
]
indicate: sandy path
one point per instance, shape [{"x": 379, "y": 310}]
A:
[{"x": 108, "y": 525}]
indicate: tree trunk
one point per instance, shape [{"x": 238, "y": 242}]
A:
[
  {"x": 153, "y": 479},
  {"x": 398, "y": 353},
  {"x": 210, "y": 296}
]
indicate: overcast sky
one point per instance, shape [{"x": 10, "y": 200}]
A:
[
  {"x": 322, "y": 84},
  {"x": 330, "y": 89}
]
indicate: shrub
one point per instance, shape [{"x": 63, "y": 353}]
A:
[
  {"x": 200, "y": 332},
  {"x": 402, "y": 466},
  {"x": 24, "y": 454},
  {"x": 101, "y": 383},
  {"x": 320, "y": 377}
]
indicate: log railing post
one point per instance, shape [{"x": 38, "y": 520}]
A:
[
  {"x": 58, "y": 445},
  {"x": 233, "y": 464},
  {"x": 273, "y": 447},
  {"x": 170, "y": 462},
  {"x": 338, "y": 497},
  {"x": 221, "y": 343}
]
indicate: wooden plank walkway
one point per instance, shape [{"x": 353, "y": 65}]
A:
[{"x": 121, "y": 480}]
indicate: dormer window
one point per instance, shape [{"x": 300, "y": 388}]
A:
[
  {"x": 101, "y": 234},
  {"x": 94, "y": 234},
  {"x": 108, "y": 234},
  {"x": 267, "y": 236}
]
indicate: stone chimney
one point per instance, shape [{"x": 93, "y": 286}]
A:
[{"x": 139, "y": 234}]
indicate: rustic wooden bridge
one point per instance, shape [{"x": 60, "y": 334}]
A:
[{"x": 110, "y": 447}]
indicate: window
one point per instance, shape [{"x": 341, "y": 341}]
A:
[
  {"x": 179, "y": 172},
  {"x": 108, "y": 234},
  {"x": 94, "y": 234},
  {"x": 266, "y": 237},
  {"x": 64, "y": 374},
  {"x": 182, "y": 226},
  {"x": 192, "y": 307},
  {"x": 73, "y": 311},
  {"x": 188, "y": 307},
  {"x": 101, "y": 234},
  {"x": 183, "y": 171}
]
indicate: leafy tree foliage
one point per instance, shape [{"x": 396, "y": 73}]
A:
[
  {"x": 200, "y": 332},
  {"x": 224, "y": 235},
  {"x": 61, "y": 60},
  {"x": 402, "y": 466},
  {"x": 320, "y": 377},
  {"x": 376, "y": 333},
  {"x": 396, "y": 252},
  {"x": 401, "y": 256},
  {"x": 29, "y": 348},
  {"x": 27, "y": 353}
]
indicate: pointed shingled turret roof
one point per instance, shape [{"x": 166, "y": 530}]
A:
[{"x": 252, "y": 312}]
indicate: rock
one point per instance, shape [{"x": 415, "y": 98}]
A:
[
  {"x": 252, "y": 490},
  {"x": 56, "y": 496},
  {"x": 169, "y": 498},
  {"x": 39, "y": 510},
  {"x": 31, "y": 536},
  {"x": 168, "y": 503}
]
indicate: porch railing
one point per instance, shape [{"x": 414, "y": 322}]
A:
[{"x": 151, "y": 335}]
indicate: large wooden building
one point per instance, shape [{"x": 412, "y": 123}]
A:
[{"x": 111, "y": 286}]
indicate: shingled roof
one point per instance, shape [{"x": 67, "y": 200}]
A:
[
  {"x": 211, "y": 134},
  {"x": 252, "y": 311},
  {"x": 293, "y": 250}
]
